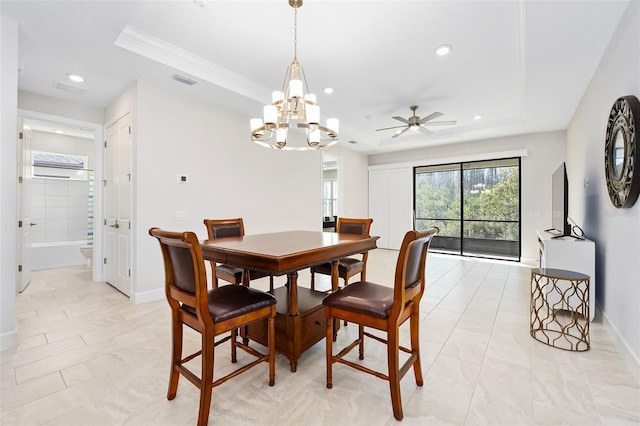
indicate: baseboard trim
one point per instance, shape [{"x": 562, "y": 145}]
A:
[
  {"x": 631, "y": 360},
  {"x": 148, "y": 296},
  {"x": 8, "y": 340}
]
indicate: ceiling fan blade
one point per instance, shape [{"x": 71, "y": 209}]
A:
[
  {"x": 430, "y": 117},
  {"x": 399, "y": 132},
  {"x": 425, "y": 131},
  {"x": 404, "y": 120},
  {"x": 441, "y": 123},
  {"x": 387, "y": 128}
]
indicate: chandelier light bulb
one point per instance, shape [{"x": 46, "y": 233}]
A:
[
  {"x": 270, "y": 114},
  {"x": 313, "y": 114},
  {"x": 255, "y": 123},
  {"x": 333, "y": 125},
  {"x": 281, "y": 135},
  {"x": 295, "y": 88}
]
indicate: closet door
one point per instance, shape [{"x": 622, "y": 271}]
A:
[
  {"x": 390, "y": 205},
  {"x": 117, "y": 224},
  {"x": 378, "y": 206}
]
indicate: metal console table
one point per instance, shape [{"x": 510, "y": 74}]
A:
[{"x": 560, "y": 308}]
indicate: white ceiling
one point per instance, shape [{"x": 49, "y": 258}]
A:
[{"x": 522, "y": 65}]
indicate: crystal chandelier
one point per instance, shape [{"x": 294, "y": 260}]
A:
[{"x": 294, "y": 104}]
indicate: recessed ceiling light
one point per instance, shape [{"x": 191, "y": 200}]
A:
[
  {"x": 58, "y": 131},
  {"x": 328, "y": 90},
  {"x": 443, "y": 50},
  {"x": 477, "y": 117},
  {"x": 75, "y": 77}
]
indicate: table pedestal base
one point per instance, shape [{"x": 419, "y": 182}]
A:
[{"x": 294, "y": 333}]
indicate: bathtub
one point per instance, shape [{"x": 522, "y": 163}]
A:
[{"x": 57, "y": 255}]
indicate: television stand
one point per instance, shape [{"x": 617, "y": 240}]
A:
[
  {"x": 571, "y": 236},
  {"x": 555, "y": 235}
]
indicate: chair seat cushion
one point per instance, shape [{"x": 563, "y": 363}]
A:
[
  {"x": 346, "y": 264},
  {"x": 230, "y": 301},
  {"x": 363, "y": 297}
]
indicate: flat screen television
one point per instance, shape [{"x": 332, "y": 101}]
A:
[{"x": 560, "y": 202}]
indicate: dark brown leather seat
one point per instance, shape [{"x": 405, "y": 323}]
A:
[
  {"x": 222, "y": 228},
  {"x": 209, "y": 312},
  {"x": 347, "y": 266},
  {"x": 384, "y": 308}
]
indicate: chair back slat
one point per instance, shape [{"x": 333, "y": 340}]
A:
[
  {"x": 223, "y": 228},
  {"x": 182, "y": 273},
  {"x": 185, "y": 275},
  {"x": 354, "y": 226},
  {"x": 410, "y": 268}
]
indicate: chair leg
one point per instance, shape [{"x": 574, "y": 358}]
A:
[
  {"x": 176, "y": 357},
  {"x": 361, "y": 344},
  {"x": 414, "y": 326},
  {"x": 271, "y": 283},
  {"x": 346, "y": 283},
  {"x": 206, "y": 380},
  {"x": 234, "y": 352},
  {"x": 313, "y": 280},
  {"x": 271, "y": 337},
  {"x": 394, "y": 378},
  {"x": 329, "y": 345}
]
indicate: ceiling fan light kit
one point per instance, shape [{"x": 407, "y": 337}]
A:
[
  {"x": 416, "y": 123},
  {"x": 293, "y": 104}
]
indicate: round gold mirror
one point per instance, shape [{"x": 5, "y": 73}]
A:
[
  {"x": 622, "y": 166},
  {"x": 618, "y": 154}
]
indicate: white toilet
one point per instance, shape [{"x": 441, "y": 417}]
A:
[{"x": 87, "y": 252}]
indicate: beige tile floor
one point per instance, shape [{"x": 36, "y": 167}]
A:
[{"x": 87, "y": 356}]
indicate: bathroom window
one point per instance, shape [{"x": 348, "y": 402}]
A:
[{"x": 53, "y": 165}]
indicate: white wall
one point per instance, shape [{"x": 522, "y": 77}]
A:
[
  {"x": 545, "y": 152},
  {"x": 8, "y": 156},
  {"x": 47, "y": 105},
  {"x": 615, "y": 231},
  {"x": 227, "y": 176}
]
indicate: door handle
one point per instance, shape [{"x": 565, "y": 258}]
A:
[
  {"x": 115, "y": 226},
  {"x": 32, "y": 224}
]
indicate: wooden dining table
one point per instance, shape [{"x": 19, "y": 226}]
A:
[{"x": 300, "y": 321}]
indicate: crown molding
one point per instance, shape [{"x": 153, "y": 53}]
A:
[{"x": 153, "y": 48}]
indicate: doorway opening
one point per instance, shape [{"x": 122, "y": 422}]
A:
[
  {"x": 59, "y": 194},
  {"x": 331, "y": 191}
]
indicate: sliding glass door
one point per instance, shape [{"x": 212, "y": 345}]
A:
[{"x": 475, "y": 204}]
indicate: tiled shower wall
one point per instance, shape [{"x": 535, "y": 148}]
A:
[{"x": 59, "y": 210}]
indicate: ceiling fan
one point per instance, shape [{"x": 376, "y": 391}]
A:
[{"x": 416, "y": 123}]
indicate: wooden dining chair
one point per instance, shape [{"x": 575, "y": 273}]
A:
[
  {"x": 211, "y": 313},
  {"x": 384, "y": 308},
  {"x": 347, "y": 266},
  {"x": 221, "y": 228}
]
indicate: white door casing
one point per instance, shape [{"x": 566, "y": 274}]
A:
[
  {"x": 117, "y": 222},
  {"x": 24, "y": 207}
]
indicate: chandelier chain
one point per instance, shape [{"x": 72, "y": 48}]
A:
[{"x": 295, "y": 34}]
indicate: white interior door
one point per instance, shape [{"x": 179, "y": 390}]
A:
[
  {"x": 24, "y": 207},
  {"x": 117, "y": 223}
]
